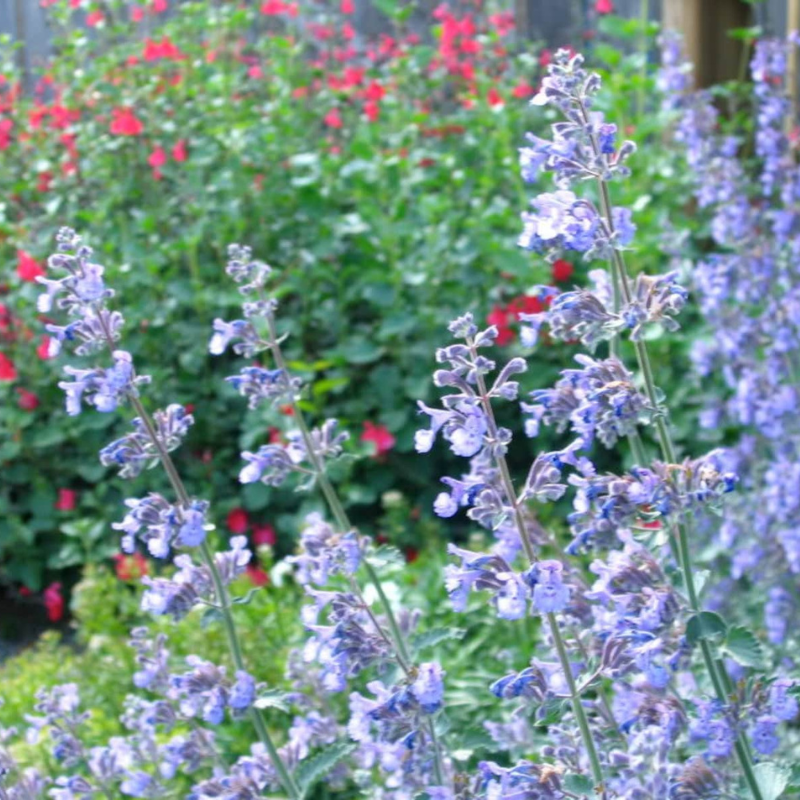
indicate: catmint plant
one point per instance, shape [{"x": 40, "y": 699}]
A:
[
  {"x": 747, "y": 287},
  {"x": 138, "y": 764},
  {"x": 395, "y": 728},
  {"x": 639, "y": 523}
]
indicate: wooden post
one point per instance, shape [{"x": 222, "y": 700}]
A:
[
  {"x": 792, "y": 27},
  {"x": 705, "y": 25}
]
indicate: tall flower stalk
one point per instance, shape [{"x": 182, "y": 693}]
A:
[
  {"x": 306, "y": 453},
  {"x": 160, "y": 524},
  {"x": 583, "y": 149}
]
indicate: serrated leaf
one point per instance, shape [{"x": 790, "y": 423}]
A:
[
  {"x": 312, "y": 769},
  {"x": 704, "y": 625},
  {"x": 578, "y": 784},
  {"x": 772, "y": 779},
  {"x": 273, "y": 698},
  {"x": 743, "y": 647},
  {"x": 435, "y": 636}
]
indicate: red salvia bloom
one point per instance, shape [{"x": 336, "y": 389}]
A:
[
  {"x": 238, "y": 522},
  {"x": 27, "y": 401},
  {"x": 130, "y": 567},
  {"x": 54, "y": 602},
  {"x": 5, "y": 133},
  {"x": 380, "y": 436},
  {"x": 256, "y": 575},
  {"x": 8, "y": 372},
  {"x": 333, "y": 119},
  {"x": 179, "y": 152},
  {"x": 562, "y": 270},
  {"x": 28, "y": 268},
  {"x": 125, "y": 123},
  {"x": 264, "y": 534},
  {"x": 67, "y": 498}
]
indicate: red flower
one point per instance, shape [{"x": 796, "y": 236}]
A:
[
  {"x": 525, "y": 304},
  {"x": 137, "y": 14},
  {"x": 43, "y": 350},
  {"x": 165, "y": 49},
  {"x": 379, "y": 435},
  {"x": 238, "y": 522},
  {"x": 347, "y": 7},
  {"x": 545, "y": 57},
  {"x": 256, "y": 575},
  {"x": 156, "y": 160},
  {"x": 264, "y": 534},
  {"x": 43, "y": 182},
  {"x": 28, "y": 268},
  {"x": 503, "y": 22},
  {"x": 273, "y": 8},
  {"x": 5, "y": 133},
  {"x": 499, "y": 317},
  {"x": 522, "y": 90},
  {"x": 125, "y": 123},
  {"x": 412, "y": 554},
  {"x": 562, "y": 270},
  {"x": 494, "y": 98},
  {"x": 374, "y": 91},
  {"x": 160, "y": 6},
  {"x": 54, "y": 602},
  {"x": 372, "y": 111},
  {"x": 348, "y": 33},
  {"x": 24, "y": 591},
  {"x": 8, "y": 372},
  {"x": 66, "y": 500},
  {"x": 130, "y": 567},
  {"x": 333, "y": 119},
  {"x": 604, "y": 7},
  {"x": 179, "y": 152},
  {"x": 255, "y": 72},
  {"x": 94, "y": 18},
  {"x": 27, "y": 401}
]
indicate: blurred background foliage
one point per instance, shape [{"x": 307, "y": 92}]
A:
[{"x": 378, "y": 178}]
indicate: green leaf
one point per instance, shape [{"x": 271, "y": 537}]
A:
[
  {"x": 704, "y": 625},
  {"x": 314, "y": 768},
  {"x": 385, "y": 556},
  {"x": 245, "y": 599},
  {"x": 772, "y": 779},
  {"x": 434, "y": 636},
  {"x": 578, "y": 784},
  {"x": 359, "y": 350},
  {"x": 743, "y": 647},
  {"x": 210, "y": 616},
  {"x": 274, "y": 698},
  {"x": 551, "y": 712}
]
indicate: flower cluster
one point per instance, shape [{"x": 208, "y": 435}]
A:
[
  {"x": 630, "y": 626},
  {"x": 749, "y": 292}
]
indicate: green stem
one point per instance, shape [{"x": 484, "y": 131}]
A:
[
  {"x": 577, "y": 706},
  {"x": 555, "y": 632},
  {"x": 344, "y": 525},
  {"x": 644, "y": 19},
  {"x": 669, "y": 456},
  {"x": 223, "y": 601}
]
